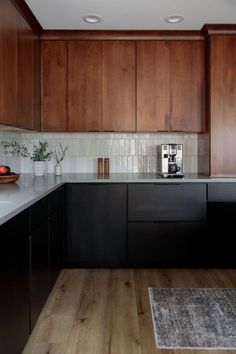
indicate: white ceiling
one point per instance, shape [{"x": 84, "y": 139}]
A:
[{"x": 132, "y": 14}]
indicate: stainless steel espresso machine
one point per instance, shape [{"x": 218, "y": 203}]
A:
[{"x": 170, "y": 160}]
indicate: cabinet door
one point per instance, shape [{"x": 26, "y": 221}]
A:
[
  {"x": 53, "y": 86},
  {"x": 153, "y": 85},
  {"x": 187, "y": 86},
  {"x": 96, "y": 224},
  {"x": 167, "y": 202},
  {"x": 84, "y": 86},
  {"x": 40, "y": 276},
  {"x": 118, "y": 85},
  {"x": 167, "y": 244},
  {"x": 8, "y": 62},
  {"x": 221, "y": 224},
  {"x": 14, "y": 280},
  {"x": 28, "y": 77},
  {"x": 222, "y": 92},
  {"x": 40, "y": 261},
  {"x": 56, "y": 235}
]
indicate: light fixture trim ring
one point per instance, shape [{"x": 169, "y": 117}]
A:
[
  {"x": 175, "y": 18},
  {"x": 92, "y": 19}
]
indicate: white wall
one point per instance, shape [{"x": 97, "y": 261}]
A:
[{"x": 132, "y": 152}]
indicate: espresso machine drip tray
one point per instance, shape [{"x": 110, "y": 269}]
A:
[{"x": 172, "y": 175}]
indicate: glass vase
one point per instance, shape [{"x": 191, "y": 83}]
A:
[{"x": 58, "y": 169}]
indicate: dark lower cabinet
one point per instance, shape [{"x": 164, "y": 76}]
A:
[
  {"x": 221, "y": 217},
  {"x": 167, "y": 202},
  {"x": 96, "y": 224},
  {"x": 56, "y": 238},
  {"x": 40, "y": 275},
  {"x": 221, "y": 230},
  {"x": 30, "y": 261},
  {"x": 14, "y": 284},
  {"x": 167, "y": 225},
  {"x": 47, "y": 232},
  {"x": 167, "y": 244}
]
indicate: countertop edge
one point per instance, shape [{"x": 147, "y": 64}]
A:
[{"x": 50, "y": 184}]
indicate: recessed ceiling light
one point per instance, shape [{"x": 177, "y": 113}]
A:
[
  {"x": 174, "y": 19},
  {"x": 92, "y": 19}
]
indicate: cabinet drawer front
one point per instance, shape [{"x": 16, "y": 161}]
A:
[
  {"x": 172, "y": 202},
  {"x": 56, "y": 200},
  {"x": 39, "y": 213},
  {"x": 222, "y": 192},
  {"x": 166, "y": 243}
]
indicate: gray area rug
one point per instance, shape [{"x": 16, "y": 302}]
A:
[{"x": 194, "y": 318}]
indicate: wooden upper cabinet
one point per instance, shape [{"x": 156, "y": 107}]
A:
[
  {"x": 84, "y": 86},
  {"x": 187, "y": 86},
  {"x": 222, "y": 105},
  {"x": 28, "y": 77},
  {"x": 170, "y": 86},
  {"x": 8, "y": 62},
  {"x": 153, "y": 85},
  {"x": 118, "y": 85},
  {"x": 54, "y": 86}
]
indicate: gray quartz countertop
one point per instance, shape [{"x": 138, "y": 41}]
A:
[{"x": 18, "y": 196}]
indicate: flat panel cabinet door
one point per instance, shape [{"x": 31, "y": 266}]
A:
[
  {"x": 96, "y": 224},
  {"x": 27, "y": 81},
  {"x": 153, "y": 85},
  {"x": 40, "y": 276},
  {"x": 172, "y": 202},
  {"x": 28, "y": 77},
  {"x": 187, "y": 85},
  {"x": 222, "y": 68},
  {"x": 167, "y": 244},
  {"x": 14, "y": 280},
  {"x": 56, "y": 232},
  {"x": 118, "y": 85},
  {"x": 221, "y": 224},
  {"x": 8, "y": 62},
  {"x": 84, "y": 86},
  {"x": 53, "y": 86}
]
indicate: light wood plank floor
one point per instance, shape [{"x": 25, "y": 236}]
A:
[{"x": 108, "y": 311}]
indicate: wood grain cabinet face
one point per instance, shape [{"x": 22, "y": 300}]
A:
[
  {"x": 118, "y": 85},
  {"x": 222, "y": 118},
  {"x": 96, "y": 224},
  {"x": 84, "y": 86},
  {"x": 187, "y": 86},
  {"x": 8, "y": 62},
  {"x": 28, "y": 77},
  {"x": 153, "y": 85},
  {"x": 54, "y": 86},
  {"x": 170, "y": 86}
]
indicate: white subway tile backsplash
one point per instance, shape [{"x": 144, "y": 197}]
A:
[
  {"x": 131, "y": 152},
  {"x": 127, "y": 147}
]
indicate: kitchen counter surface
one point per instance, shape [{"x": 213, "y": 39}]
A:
[{"x": 18, "y": 196}]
